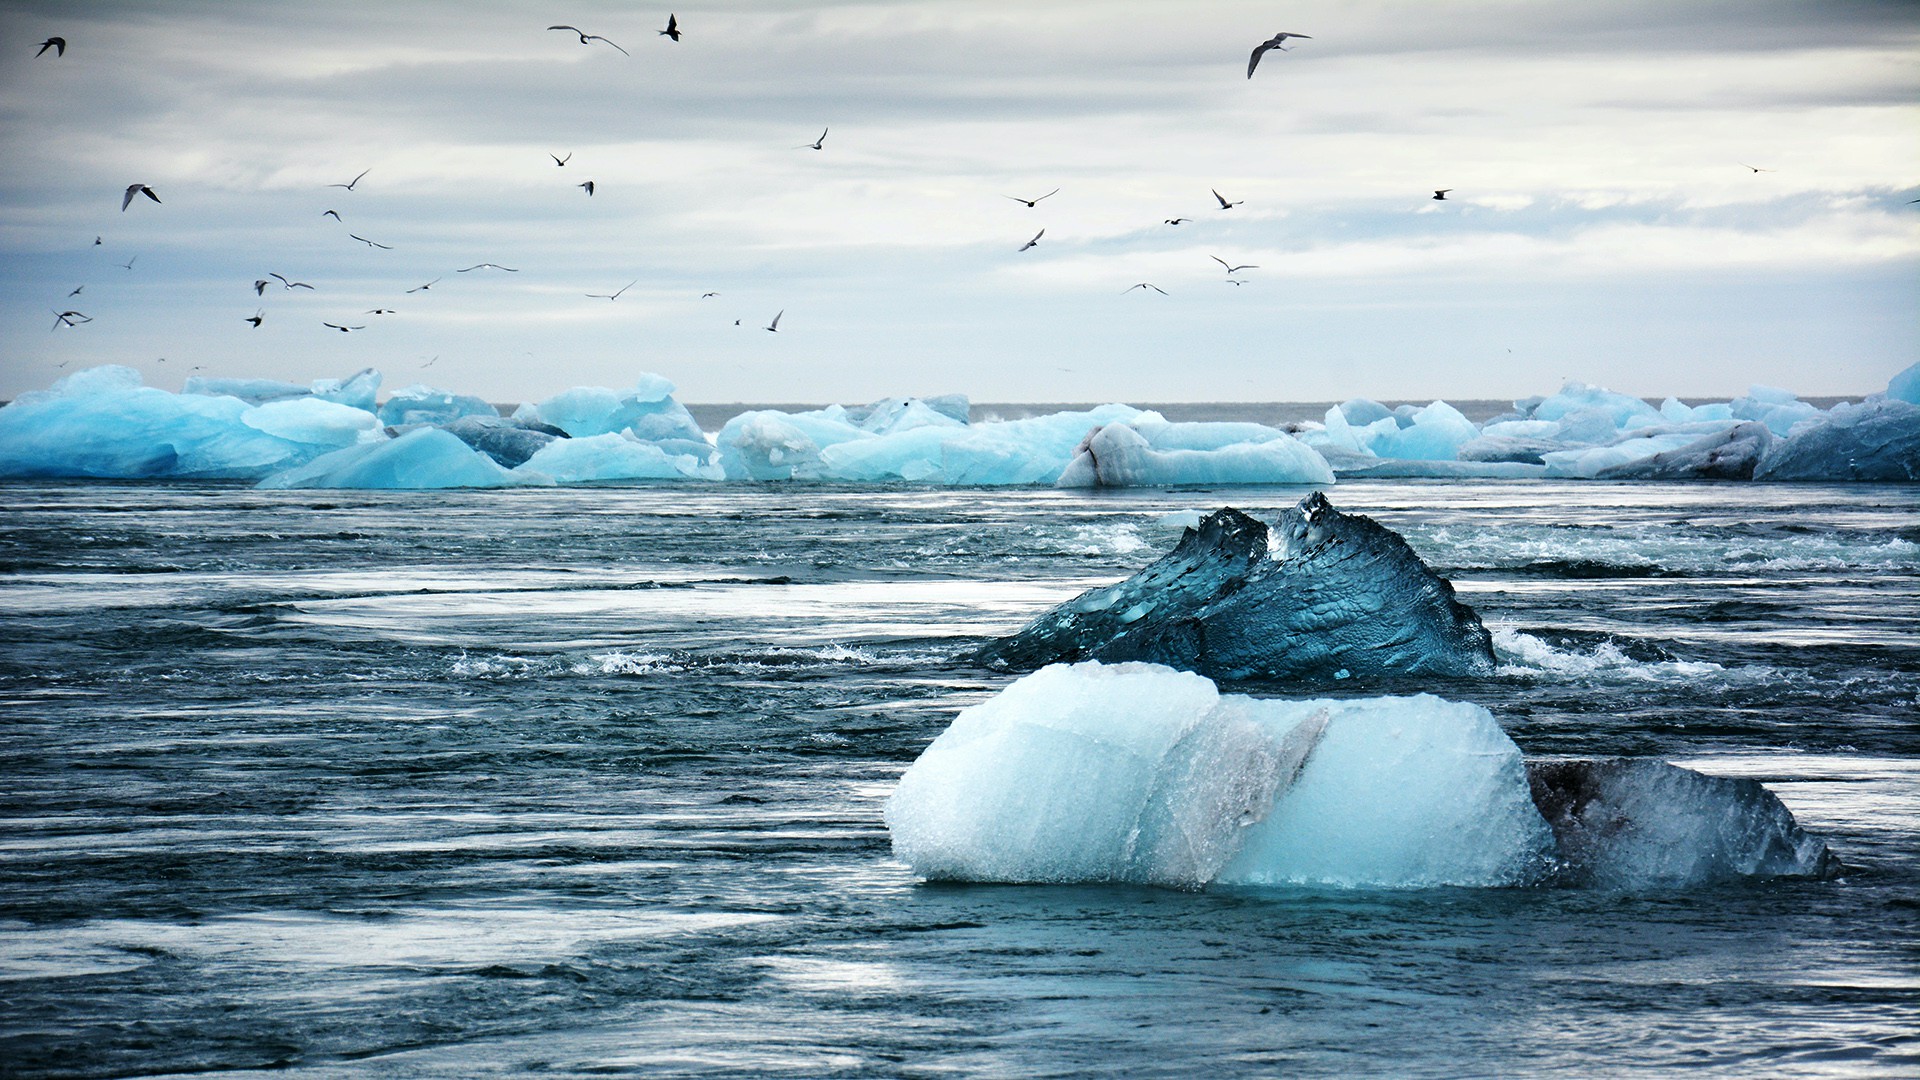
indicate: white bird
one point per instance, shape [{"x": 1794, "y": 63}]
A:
[
  {"x": 817, "y": 143},
  {"x": 586, "y": 38},
  {"x": 481, "y": 266},
  {"x": 774, "y": 326},
  {"x": 1273, "y": 42},
  {"x": 136, "y": 189},
  {"x": 615, "y": 295},
  {"x": 290, "y": 284},
  {"x": 1034, "y": 201},
  {"x": 1232, "y": 269},
  {"x": 369, "y": 243},
  {"x": 1146, "y": 285},
  {"x": 1034, "y": 241},
  {"x": 1224, "y": 204},
  {"x": 349, "y": 184},
  {"x": 424, "y": 288},
  {"x": 342, "y": 329}
]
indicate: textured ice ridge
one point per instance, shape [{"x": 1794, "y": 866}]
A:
[{"x": 1320, "y": 592}]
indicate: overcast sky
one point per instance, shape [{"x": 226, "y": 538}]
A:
[{"x": 1604, "y": 224}]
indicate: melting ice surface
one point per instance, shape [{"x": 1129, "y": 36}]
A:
[
  {"x": 105, "y": 423},
  {"x": 1139, "y": 773}
]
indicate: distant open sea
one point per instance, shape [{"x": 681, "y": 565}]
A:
[{"x": 588, "y": 781}]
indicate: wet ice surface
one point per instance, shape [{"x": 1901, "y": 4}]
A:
[{"x": 591, "y": 780}]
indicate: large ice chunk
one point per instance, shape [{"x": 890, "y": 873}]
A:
[
  {"x": 1321, "y": 592},
  {"x": 357, "y": 390},
  {"x": 103, "y": 422},
  {"x": 1905, "y": 386},
  {"x": 648, "y": 411},
  {"x": 617, "y": 456},
  {"x": 1138, "y": 773},
  {"x": 1726, "y": 455},
  {"x": 425, "y": 457},
  {"x": 1876, "y": 440},
  {"x": 1143, "y": 454}
]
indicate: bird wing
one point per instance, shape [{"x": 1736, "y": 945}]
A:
[
  {"x": 776, "y": 319},
  {"x": 127, "y": 199},
  {"x": 1049, "y": 194},
  {"x": 1223, "y": 202},
  {"x": 1254, "y": 60},
  {"x": 1221, "y": 261},
  {"x": 575, "y": 29},
  {"x": 281, "y": 279},
  {"x": 597, "y": 37}
]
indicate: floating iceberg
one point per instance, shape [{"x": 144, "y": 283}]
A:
[
  {"x": 1143, "y": 453},
  {"x": 1877, "y": 440},
  {"x": 1319, "y": 593},
  {"x": 1138, "y": 773},
  {"x": 425, "y": 457},
  {"x": 357, "y": 390},
  {"x": 1626, "y": 823},
  {"x": 616, "y": 456},
  {"x": 103, "y": 422},
  {"x": 423, "y": 404},
  {"x": 647, "y": 411}
]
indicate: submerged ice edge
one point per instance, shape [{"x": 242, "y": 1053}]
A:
[{"x": 104, "y": 423}]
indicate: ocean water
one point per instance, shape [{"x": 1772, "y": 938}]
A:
[{"x": 589, "y": 782}]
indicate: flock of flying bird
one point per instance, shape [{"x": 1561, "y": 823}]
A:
[{"x": 673, "y": 33}]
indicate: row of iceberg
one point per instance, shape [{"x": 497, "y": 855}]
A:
[
  {"x": 1138, "y": 773},
  {"x": 105, "y": 423}
]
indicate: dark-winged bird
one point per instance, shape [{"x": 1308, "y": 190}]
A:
[
  {"x": 586, "y": 38},
  {"x": 424, "y": 288},
  {"x": 136, "y": 189},
  {"x": 774, "y": 326},
  {"x": 382, "y": 311},
  {"x": 75, "y": 292},
  {"x": 1441, "y": 193},
  {"x": 673, "y": 28},
  {"x": 334, "y": 214},
  {"x": 588, "y": 186},
  {"x": 290, "y": 284},
  {"x": 561, "y": 161},
  {"x": 68, "y": 318},
  {"x": 1178, "y": 220},
  {"x": 257, "y": 318},
  {"x": 57, "y": 44},
  {"x": 1231, "y": 269},
  {"x": 343, "y": 329},
  {"x": 1034, "y": 241},
  {"x": 369, "y": 243},
  {"x": 1034, "y": 201},
  {"x": 1273, "y": 42},
  {"x": 1146, "y": 285},
  {"x": 816, "y": 144},
  {"x": 1224, "y": 204},
  {"x": 260, "y": 287},
  {"x": 349, "y": 184}
]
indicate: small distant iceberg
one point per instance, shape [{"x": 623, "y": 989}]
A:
[
  {"x": 1141, "y": 774},
  {"x": 1320, "y": 593}
]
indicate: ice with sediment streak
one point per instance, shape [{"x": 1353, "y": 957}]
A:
[
  {"x": 1139, "y": 773},
  {"x": 1151, "y": 452}
]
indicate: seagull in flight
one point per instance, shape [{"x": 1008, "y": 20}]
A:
[
  {"x": 481, "y": 266},
  {"x": 343, "y": 329},
  {"x": 774, "y": 326},
  {"x": 349, "y": 184},
  {"x": 588, "y": 39},
  {"x": 128, "y": 265},
  {"x": 1755, "y": 168},
  {"x": 673, "y": 27},
  {"x": 257, "y": 318},
  {"x": 1224, "y": 204},
  {"x": 290, "y": 284},
  {"x": 429, "y": 363},
  {"x": 96, "y": 241},
  {"x": 75, "y": 292},
  {"x": 615, "y": 295},
  {"x": 561, "y": 161},
  {"x": 334, "y": 214},
  {"x": 68, "y": 318},
  {"x": 1145, "y": 285},
  {"x": 1035, "y": 201},
  {"x": 1178, "y": 220},
  {"x": 1232, "y": 269},
  {"x": 816, "y": 144},
  {"x": 588, "y": 185},
  {"x": 369, "y": 243},
  {"x": 428, "y": 285},
  {"x": 704, "y": 295},
  {"x": 260, "y": 287},
  {"x": 382, "y": 311},
  {"x": 1271, "y": 43},
  {"x": 136, "y": 189},
  {"x": 57, "y": 44},
  {"x": 1440, "y": 194},
  {"x": 1035, "y": 241}
]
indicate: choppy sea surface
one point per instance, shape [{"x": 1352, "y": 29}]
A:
[{"x": 589, "y": 781}]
